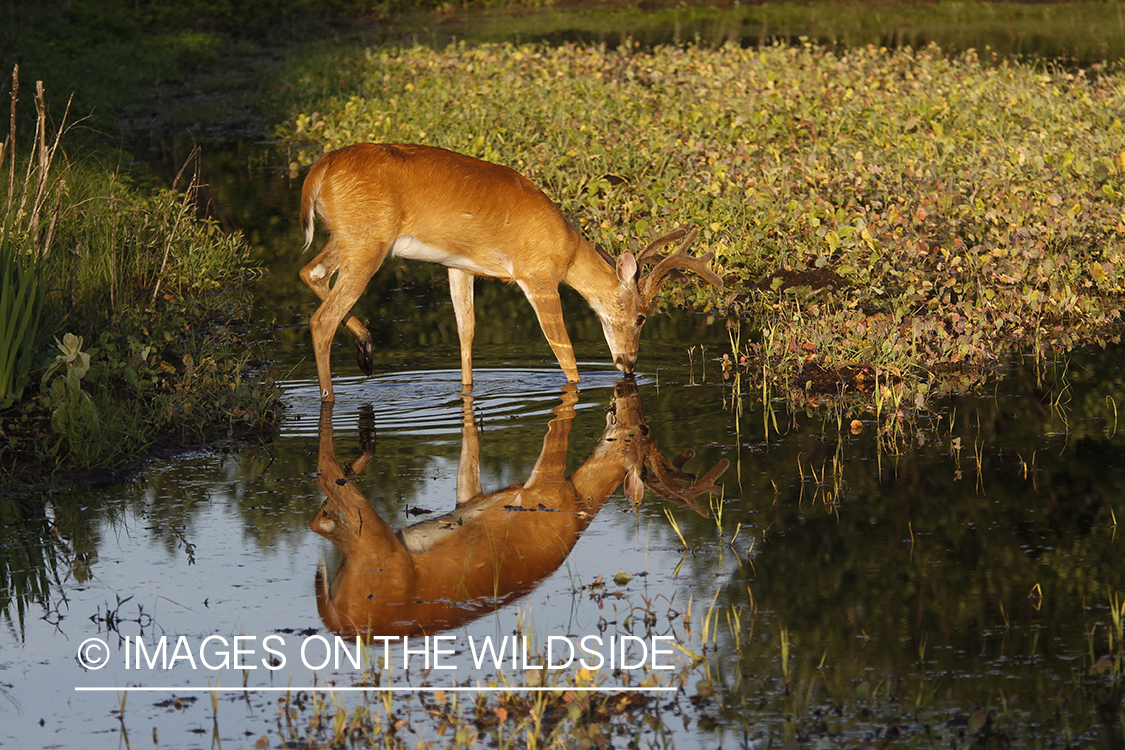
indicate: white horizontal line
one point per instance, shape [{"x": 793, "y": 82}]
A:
[{"x": 319, "y": 689}]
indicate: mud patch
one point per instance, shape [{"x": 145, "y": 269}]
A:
[
  {"x": 812, "y": 278},
  {"x": 815, "y": 378}
]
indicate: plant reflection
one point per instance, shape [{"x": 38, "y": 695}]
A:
[{"x": 494, "y": 547}]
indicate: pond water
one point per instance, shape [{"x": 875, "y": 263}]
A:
[{"x": 961, "y": 583}]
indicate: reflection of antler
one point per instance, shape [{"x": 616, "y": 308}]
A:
[
  {"x": 670, "y": 482},
  {"x": 649, "y": 469}
]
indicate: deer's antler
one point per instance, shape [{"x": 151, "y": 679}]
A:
[
  {"x": 650, "y": 283},
  {"x": 649, "y": 253}
]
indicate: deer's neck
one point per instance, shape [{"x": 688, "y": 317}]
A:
[
  {"x": 600, "y": 476},
  {"x": 592, "y": 276}
]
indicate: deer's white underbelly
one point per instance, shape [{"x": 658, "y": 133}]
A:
[{"x": 410, "y": 247}]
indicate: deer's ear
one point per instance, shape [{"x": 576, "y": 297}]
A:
[
  {"x": 634, "y": 486},
  {"x": 627, "y": 269}
]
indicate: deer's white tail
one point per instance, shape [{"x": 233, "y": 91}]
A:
[{"x": 309, "y": 194}]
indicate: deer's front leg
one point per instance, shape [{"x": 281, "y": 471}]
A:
[
  {"x": 548, "y": 308},
  {"x": 461, "y": 290}
]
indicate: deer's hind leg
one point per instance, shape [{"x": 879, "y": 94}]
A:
[
  {"x": 317, "y": 276},
  {"x": 337, "y": 301}
]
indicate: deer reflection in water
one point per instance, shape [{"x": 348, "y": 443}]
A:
[{"x": 492, "y": 548}]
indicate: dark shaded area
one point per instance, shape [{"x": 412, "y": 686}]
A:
[{"x": 811, "y": 278}]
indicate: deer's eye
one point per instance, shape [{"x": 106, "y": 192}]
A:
[{"x": 640, "y": 321}]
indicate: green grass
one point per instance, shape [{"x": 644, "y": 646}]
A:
[
  {"x": 965, "y": 211},
  {"x": 151, "y": 300}
]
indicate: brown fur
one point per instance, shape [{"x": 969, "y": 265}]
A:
[{"x": 476, "y": 218}]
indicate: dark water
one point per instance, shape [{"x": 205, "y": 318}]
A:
[
  {"x": 1082, "y": 33},
  {"x": 954, "y": 582}
]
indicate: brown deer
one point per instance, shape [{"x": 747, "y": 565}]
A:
[
  {"x": 477, "y": 219},
  {"x": 493, "y": 547}
]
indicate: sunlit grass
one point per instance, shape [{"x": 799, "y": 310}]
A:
[{"x": 912, "y": 216}]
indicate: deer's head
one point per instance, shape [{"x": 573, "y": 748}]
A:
[{"x": 636, "y": 291}]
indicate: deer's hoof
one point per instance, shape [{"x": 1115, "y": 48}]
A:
[{"x": 365, "y": 356}]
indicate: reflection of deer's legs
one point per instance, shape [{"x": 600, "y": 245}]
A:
[
  {"x": 548, "y": 308},
  {"x": 551, "y": 466},
  {"x": 326, "y": 458},
  {"x": 327, "y": 520},
  {"x": 461, "y": 290},
  {"x": 373, "y": 554},
  {"x": 326, "y": 452},
  {"x": 468, "y": 469},
  {"x": 366, "y": 442}
]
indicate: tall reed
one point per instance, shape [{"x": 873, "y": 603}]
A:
[{"x": 31, "y": 209}]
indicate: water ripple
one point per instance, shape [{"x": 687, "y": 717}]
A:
[{"x": 428, "y": 402}]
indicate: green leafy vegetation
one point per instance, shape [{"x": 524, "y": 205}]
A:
[
  {"x": 900, "y": 221},
  {"x": 157, "y": 292}
]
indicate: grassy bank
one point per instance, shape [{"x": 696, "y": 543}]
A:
[
  {"x": 893, "y": 212},
  {"x": 121, "y": 312}
]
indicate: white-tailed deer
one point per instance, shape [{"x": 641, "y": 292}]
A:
[
  {"x": 443, "y": 572},
  {"x": 477, "y": 219}
]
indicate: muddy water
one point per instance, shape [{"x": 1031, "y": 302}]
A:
[{"x": 951, "y": 584}]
